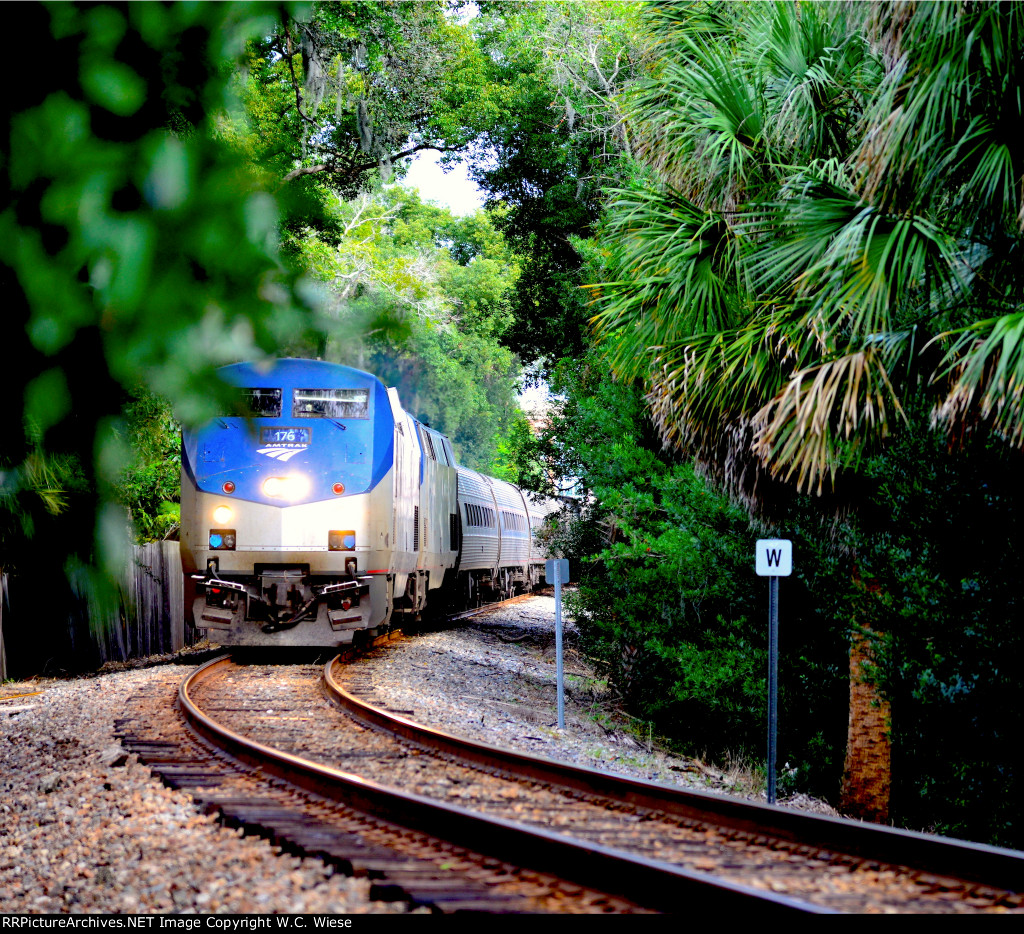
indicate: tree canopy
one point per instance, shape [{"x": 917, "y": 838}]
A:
[
  {"x": 421, "y": 299},
  {"x": 831, "y": 232},
  {"x": 135, "y": 248}
]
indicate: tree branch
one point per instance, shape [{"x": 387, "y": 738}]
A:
[
  {"x": 291, "y": 67},
  {"x": 304, "y": 170},
  {"x": 357, "y": 168}
]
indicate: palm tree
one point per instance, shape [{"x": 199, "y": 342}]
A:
[
  {"x": 834, "y": 239},
  {"x": 835, "y": 230}
]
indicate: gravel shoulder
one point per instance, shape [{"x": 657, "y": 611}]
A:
[
  {"x": 493, "y": 680},
  {"x": 83, "y": 828}
]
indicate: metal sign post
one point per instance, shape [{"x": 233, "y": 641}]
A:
[
  {"x": 556, "y": 570},
  {"x": 773, "y": 558}
]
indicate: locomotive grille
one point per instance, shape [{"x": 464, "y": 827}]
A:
[{"x": 416, "y": 528}]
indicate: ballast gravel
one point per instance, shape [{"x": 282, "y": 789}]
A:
[{"x": 86, "y": 828}]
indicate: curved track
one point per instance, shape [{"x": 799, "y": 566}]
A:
[
  {"x": 409, "y": 806},
  {"x": 932, "y": 861},
  {"x": 621, "y": 880}
]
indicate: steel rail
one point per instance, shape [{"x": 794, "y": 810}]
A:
[
  {"x": 959, "y": 859},
  {"x": 648, "y": 883}
]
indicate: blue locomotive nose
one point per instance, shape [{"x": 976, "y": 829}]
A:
[{"x": 311, "y": 431}]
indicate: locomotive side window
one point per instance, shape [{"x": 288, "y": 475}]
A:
[
  {"x": 428, "y": 446},
  {"x": 262, "y": 403},
  {"x": 440, "y": 455},
  {"x": 330, "y": 403}
]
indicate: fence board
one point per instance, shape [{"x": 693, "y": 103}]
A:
[
  {"x": 74, "y": 630},
  {"x": 153, "y": 616}
]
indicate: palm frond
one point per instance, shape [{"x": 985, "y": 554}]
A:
[
  {"x": 944, "y": 129},
  {"x": 701, "y": 123},
  {"x": 677, "y": 274},
  {"x": 819, "y": 73},
  {"x": 854, "y": 268},
  {"x": 824, "y": 416},
  {"x": 711, "y": 380},
  {"x": 984, "y": 370}
]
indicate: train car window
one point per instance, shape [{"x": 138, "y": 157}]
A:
[
  {"x": 513, "y": 521},
  {"x": 261, "y": 402},
  {"x": 480, "y": 516},
  {"x": 331, "y": 403}
]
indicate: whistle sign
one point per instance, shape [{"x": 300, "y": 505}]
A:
[{"x": 773, "y": 557}]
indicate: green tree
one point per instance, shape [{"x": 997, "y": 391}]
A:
[
  {"x": 349, "y": 89},
  {"x": 420, "y": 298},
  {"x": 547, "y": 154},
  {"x": 666, "y": 598},
  {"x": 135, "y": 247},
  {"x": 819, "y": 270},
  {"x": 150, "y": 486},
  {"x": 833, "y": 233}
]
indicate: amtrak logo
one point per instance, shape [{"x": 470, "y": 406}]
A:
[{"x": 280, "y": 454}]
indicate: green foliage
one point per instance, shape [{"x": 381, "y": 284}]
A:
[
  {"x": 150, "y": 487},
  {"x": 33, "y": 497},
  {"x": 547, "y": 154},
  {"x": 659, "y": 598},
  {"x": 667, "y": 598},
  {"x": 940, "y": 572},
  {"x": 135, "y": 248},
  {"x": 830, "y": 234},
  {"x": 823, "y": 260},
  {"x": 420, "y": 298},
  {"x": 340, "y": 90}
]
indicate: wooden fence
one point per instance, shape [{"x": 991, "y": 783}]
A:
[{"x": 67, "y": 632}]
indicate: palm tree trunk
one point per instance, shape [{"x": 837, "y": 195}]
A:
[
  {"x": 3, "y": 653},
  {"x": 867, "y": 776}
]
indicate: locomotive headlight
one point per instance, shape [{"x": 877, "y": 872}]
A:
[
  {"x": 222, "y": 515},
  {"x": 292, "y": 487}
]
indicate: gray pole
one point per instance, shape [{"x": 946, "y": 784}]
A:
[
  {"x": 773, "y": 680},
  {"x": 558, "y": 645}
]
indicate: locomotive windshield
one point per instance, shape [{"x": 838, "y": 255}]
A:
[
  {"x": 262, "y": 403},
  {"x": 331, "y": 403}
]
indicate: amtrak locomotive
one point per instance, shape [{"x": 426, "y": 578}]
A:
[{"x": 326, "y": 510}]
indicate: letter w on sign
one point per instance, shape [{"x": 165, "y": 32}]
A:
[{"x": 774, "y": 557}]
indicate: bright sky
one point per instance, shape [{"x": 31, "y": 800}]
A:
[{"x": 452, "y": 189}]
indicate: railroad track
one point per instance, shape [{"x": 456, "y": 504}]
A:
[{"x": 440, "y": 821}]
